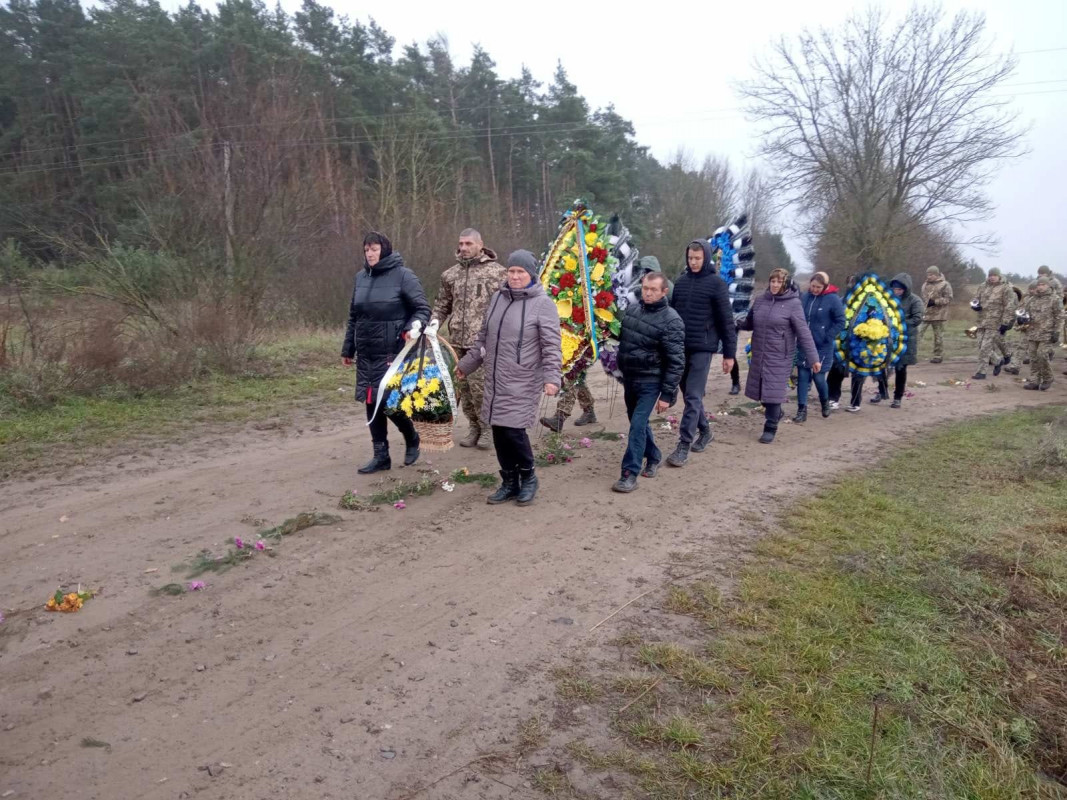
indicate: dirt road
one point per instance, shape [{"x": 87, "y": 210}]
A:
[{"x": 378, "y": 657}]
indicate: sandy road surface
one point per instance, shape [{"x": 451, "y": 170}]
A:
[{"x": 374, "y": 657}]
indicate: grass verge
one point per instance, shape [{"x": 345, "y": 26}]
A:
[
  {"x": 904, "y": 635},
  {"x": 286, "y": 372}
]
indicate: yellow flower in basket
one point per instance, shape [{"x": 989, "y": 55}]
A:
[
  {"x": 590, "y": 239},
  {"x": 564, "y": 308},
  {"x": 598, "y": 273},
  {"x": 406, "y": 406},
  {"x": 604, "y": 314},
  {"x": 570, "y": 263},
  {"x": 419, "y": 401}
]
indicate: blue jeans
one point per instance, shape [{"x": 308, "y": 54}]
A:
[
  {"x": 804, "y": 379},
  {"x": 640, "y": 401}
]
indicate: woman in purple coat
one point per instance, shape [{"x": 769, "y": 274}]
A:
[{"x": 777, "y": 324}]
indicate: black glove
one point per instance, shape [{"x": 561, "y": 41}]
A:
[
  {"x": 1004, "y": 329},
  {"x": 930, "y": 303}
]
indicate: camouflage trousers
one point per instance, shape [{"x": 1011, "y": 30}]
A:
[
  {"x": 471, "y": 390},
  {"x": 938, "y": 328},
  {"x": 992, "y": 348},
  {"x": 576, "y": 391},
  {"x": 1040, "y": 361}
]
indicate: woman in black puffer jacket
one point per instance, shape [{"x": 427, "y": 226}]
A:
[{"x": 386, "y": 302}]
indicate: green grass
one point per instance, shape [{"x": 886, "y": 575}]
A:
[
  {"x": 930, "y": 590},
  {"x": 957, "y": 344},
  {"x": 287, "y": 371}
]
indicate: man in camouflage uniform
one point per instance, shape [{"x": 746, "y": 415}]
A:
[
  {"x": 462, "y": 301},
  {"x": 576, "y": 391},
  {"x": 1057, "y": 288},
  {"x": 936, "y": 294},
  {"x": 996, "y": 314},
  {"x": 1045, "y": 308}
]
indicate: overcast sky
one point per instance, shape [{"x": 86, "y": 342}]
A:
[{"x": 670, "y": 69}]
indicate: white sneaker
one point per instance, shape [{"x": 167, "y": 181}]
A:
[
  {"x": 834, "y": 405},
  {"x": 853, "y": 409}
]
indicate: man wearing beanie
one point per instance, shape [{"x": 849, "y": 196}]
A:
[
  {"x": 995, "y": 305},
  {"x": 936, "y": 296}
]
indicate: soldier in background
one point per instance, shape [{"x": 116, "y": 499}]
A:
[
  {"x": 1044, "y": 310},
  {"x": 576, "y": 391},
  {"x": 936, "y": 295},
  {"x": 995, "y": 304},
  {"x": 462, "y": 301}
]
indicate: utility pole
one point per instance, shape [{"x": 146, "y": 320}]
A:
[{"x": 228, "y": 210}]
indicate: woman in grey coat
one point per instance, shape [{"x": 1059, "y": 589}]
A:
[
  {"x": 777, "y": 324},
  {"x": 519, "y": 346}
]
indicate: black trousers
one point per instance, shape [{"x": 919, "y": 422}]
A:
[
  {"x": 379, "y": 430},
  {"x": 772, "y": 412},
  {"x": 834, "y": 381},
  {"x": 735, "y": 371},
  {"x": 899, "y": 385},
  {"x": 513, "y": 450}
]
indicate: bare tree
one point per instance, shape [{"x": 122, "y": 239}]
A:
[{"x": 886, "y": 127}]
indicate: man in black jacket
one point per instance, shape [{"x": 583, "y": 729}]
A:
[
  {"x": 702, "y": 300},
  {"x": 651, "y": 359}
]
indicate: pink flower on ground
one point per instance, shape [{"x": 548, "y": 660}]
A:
[
  {"x": 586, "y": 442},
  {"x": 237, "y": 542},
  {"x": 399, "y": 504},
  {"x": 569, "y": 460},
  {"x": 566, "y": 447},
  {"x": 196, "y": 586},
  {"x": 261, "y": 545},
  {"x": 550, "y": 457}
]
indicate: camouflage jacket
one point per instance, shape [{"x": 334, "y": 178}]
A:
[
  {"x": 940, "y": 291},
  {"x": 466, "y": 289},
  {"x": 998, "y": 305},
  {"x": 1046, "y": 317}
]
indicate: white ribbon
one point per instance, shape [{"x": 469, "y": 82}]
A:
[{"x": 442, "y": 366}]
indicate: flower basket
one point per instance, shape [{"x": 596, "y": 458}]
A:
[
  {"x": 434, "y": 436},
  {"x": 419, "y": 385}
]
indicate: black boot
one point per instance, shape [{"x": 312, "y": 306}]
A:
[
  {"x": 587, "y": 418},
  {"x": 825, "y": 408},
  {"x": 509, "y": 488},
  {"x": 527, "y": 486},
  {"x": 735, "y": 389},
  {"x": 769, "y": 429},
  {"x": 411, "y": 451},
  {"x": 554, "y": 423},
  {"x": 704, "y": 438},
  {"x": 802, "y": 414},
  {"x": 380, "y": 461},
  {"x": 679, "y": 456}
]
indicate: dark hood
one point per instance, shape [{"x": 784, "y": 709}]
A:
[
  {"x": 904, "y": 279},
  {"x": 391, "y": 261},
  {"x": 648, "y": 264},
  {"x": 709, "y": 264}
]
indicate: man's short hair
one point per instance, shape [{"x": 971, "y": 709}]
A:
[
  {"x": 470, "y": 233},
  {"x": 656, "y": 276}
]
